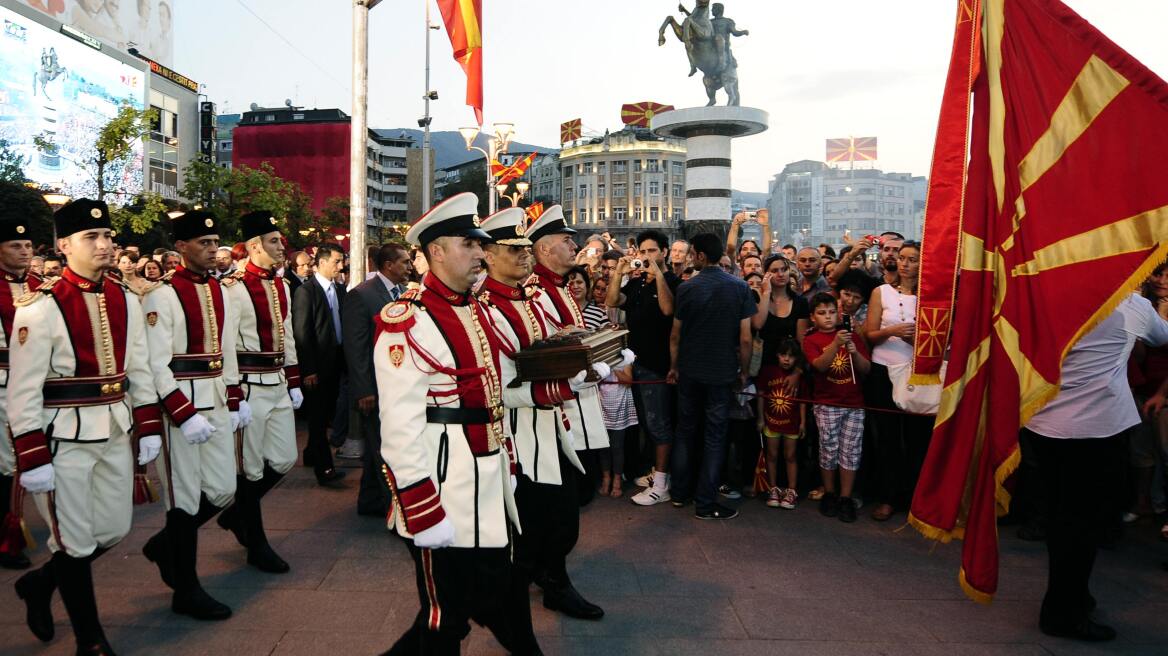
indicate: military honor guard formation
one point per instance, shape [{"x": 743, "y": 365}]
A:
[{"x": 199, "y": 376}]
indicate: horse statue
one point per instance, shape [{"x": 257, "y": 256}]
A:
[{"x": 706, "y": 33}]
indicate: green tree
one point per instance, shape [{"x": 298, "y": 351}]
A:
[
  {"x": 140, "y": 216},
  {"x": 473, "y": 178},
  {"x": 231, "y": 193},
  {"x": 113, "y": 149},
  {"x": 11, "y": 164}
]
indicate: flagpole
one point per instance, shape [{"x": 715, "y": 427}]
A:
[
  {"x": 426, "y": 131},
  {"x": 358, "y": 139}
]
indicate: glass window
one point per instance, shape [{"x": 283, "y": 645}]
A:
[
  {"x": 601, "y": 168},
  {"x": 638, "y": 214},
  {"x": 619, "y": 167},
  {"x": 600, "y": 190},
  {"x": 582, "y": 213},
  {"x": 587, "y": 167},
  {"x": 636, "y": 165},
  {"x": 677, "y": 214},
  {"x": 600, "y": 215},
  {"x": 619, "y": 213},
  {"x": 583, "y": 191},
  {"x": 677, "y": 190},
  {"x": 654, "y": 188},
  {"x": 636, "y": 189},
  {"x": 678, "y": 168},
  {"x": 618, "y": 190},
  {"x": 654, "y": 214}
]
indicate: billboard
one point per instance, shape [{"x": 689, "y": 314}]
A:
[
  {"x": 55, "y": 86},
  {"x": 147, "y": 25}
]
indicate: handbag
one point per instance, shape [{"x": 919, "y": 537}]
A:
[{"x": 918, "y": 399}]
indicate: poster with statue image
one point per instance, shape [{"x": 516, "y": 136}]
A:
[{"x": 147, "y": 25}]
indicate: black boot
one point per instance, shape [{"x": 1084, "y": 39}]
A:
[
  {"x": 36, "y": 589},
  {"x": 75, "y": 580},
  {"x": 259, "y": 553},
  {"x": 519, "y": 638},
  {"x": 158, "y": 551},
  {"x": 231, "y": 519},
  {"x": 10, "y": 559},
  {"x": 189, "y": 596},
  {"x": 559, "y": 594}
]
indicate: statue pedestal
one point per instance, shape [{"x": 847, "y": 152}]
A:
[{"x": 708, "y": 132}]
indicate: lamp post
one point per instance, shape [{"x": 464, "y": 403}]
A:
[
  {"x": 521, "y": 188},
  {"x": 56, "y": 201},
  {"x": 496, "y": 145},
  {"x": 359, "y": 130}
]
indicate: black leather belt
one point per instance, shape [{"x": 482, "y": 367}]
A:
[
  {"x": 3, "y": 358},
  {"x": 68, "y": 393},
  {"x": 212, "y": 367},
  {"x": 462, "y": 416},
  {"x": 259, "y": 361}
]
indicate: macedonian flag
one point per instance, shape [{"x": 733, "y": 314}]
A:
[
  {"x": 505, "y": 174},
  {"x": 851, "y": 149},
  {"x": 1064, "y": 211},
  {"x": 639, "y": 114},
  {"x": 571, "y": 130},
  {"x": 464, "y": 24}
]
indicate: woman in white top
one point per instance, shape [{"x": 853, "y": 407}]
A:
[{"x": 901, "y": 441}]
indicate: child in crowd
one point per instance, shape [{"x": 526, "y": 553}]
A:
[
  {"x": 781, "y": 420},
  {"x": 616, "y": 399},
  {"x": 836, "y": 359}
]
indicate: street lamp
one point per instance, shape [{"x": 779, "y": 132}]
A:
[
  {"x": 521, "y": 188},
  {"x": 496, "y": 145},
  {"x": 56, "y": 201}
]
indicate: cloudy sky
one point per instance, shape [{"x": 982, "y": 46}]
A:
[{"x": 821, "y": 68}]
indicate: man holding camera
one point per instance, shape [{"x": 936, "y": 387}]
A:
[{"x": 647, "y": 300}]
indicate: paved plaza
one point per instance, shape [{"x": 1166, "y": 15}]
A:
[{"x": 770, "y": 582}]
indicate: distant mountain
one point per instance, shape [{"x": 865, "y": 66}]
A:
[
  {"x": 450, "y": 148},
  {"x": 758, "y": 199}
]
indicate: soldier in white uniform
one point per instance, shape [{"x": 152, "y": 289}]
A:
[
  {"x": 194, "y": 363},
  {"x": 80, "y": 382},
  {"x": 546, "y": 496},
  {"x": 269, "y": 382},
  {"x": 442, "y": 379},
  {"x": 19, "y": 206}
]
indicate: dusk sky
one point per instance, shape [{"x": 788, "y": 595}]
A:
[{"x": 822, "y": 68}]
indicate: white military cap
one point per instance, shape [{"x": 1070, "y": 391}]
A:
[
  {"x": 551, "y": 222},
  {"x": 507, "y": 227},
  {"x": 456, "y": 216}
]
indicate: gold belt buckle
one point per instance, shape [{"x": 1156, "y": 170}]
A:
[
  {"x": 111, "y": 388},
  {"x": 279, "y": 362},
  {"x": 215, "y": 365}
]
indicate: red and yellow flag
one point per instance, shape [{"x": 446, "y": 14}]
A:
[
  {"x": 505, "y": 174},
  {"x": 534, "y": 211},
  {"x": 851, "y": 149},
  {"x": 1064, "y": 191},
  {"x": 571, "y": 130},
  {"x": 464, "y": 24},
  {"x": 639, "y": 114}
]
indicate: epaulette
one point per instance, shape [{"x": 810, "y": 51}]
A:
[
  {"x": 398, "y": 316},
  {"x": 412, "y": 294},
  {"x": 44, "y": 290},
  {"x": 167, "y": 276},
  {"x": 533, "y": 281},
  {"x": 155, "y": 284},
  {"x": 227, "y": 281}
]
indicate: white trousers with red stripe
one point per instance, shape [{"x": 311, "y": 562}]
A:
[
  {"x": 190, "y": 470},
  {"x": 92, "y": 502}
]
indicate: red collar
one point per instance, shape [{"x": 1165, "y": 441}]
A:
[
  {"x": 12, "y": 277},
  {"x": 503, "y": 289},
  {"x": 432, "y": 283},
  {"x": 266, "y": 274},
  {"x": 184, "y": 272},
  {"x": 550, "y": 276},
  {"x": 81, "y": 282}
]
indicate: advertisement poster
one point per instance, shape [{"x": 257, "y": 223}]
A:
[
  {"x": 60, "y": 89},
  {"x": 147, "y": 25}
]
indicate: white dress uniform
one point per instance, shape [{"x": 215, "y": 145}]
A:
[
  {"x": 585, "y": 414},
  {"x": 79, "y": 382},
  {"x": 266, "y": 357},
  {"x": 193, "y": 359},
  {"x": 12, "y": 287}
]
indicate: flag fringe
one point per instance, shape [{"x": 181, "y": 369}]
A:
[
  {"x": 1002, "y": 496},
  {"x": 972, "y": 592},
  {"x": 925, "y": 379},
  {"x": 933, "y": 532}
]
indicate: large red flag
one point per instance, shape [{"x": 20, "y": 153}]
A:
[
  {"x": 464, "y": 24},
  {"x": 1065, "y": 211}
]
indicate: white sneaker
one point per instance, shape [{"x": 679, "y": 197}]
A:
[
  {"x": 651, "y": 496},
  {"x": 646, "y": 480},
  {"x": 352, "y": 450},
  {"x": 729, "y": 492}
]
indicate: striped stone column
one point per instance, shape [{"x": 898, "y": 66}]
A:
[{"x": 709, "y": 133}]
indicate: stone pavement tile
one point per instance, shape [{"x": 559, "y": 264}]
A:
[
  {"x": 232, "y": 571},
  {"x": 750, "y": 579},
  {"x": 342, "y": 544},
  {"x": 877, "y": 647},
  {"x": 837, "y": 617},
  {"x": 480, "y": 643},
  {"x": 370, "y": 575},
  {"x": 659, "y": 617},
  {"x": 1120, "y": 647},
  {"x": 306, "y": 643},
  {"x": 1132, "y": 623},
  {"x": 966, "y": 622},
  {"x": 679, "y": 549},
  {"x": 603, "y": 574}
]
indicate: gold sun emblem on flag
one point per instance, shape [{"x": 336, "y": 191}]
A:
[
  {"x": 841, "y": 362},
  {"x": 933, "y": 328}
]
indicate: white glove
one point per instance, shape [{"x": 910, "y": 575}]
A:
[
  {"x": 38, "y": 480},
  {"x": 437, "y": 536},
  {"x": 297, "y": 397},
  {"x": 234, "y": 420},
  {"x": 244, "y": 414},
  {"x": 602, "y": 370},
  {"x": 627, "y": 358},
  {"x": 577, "y": 382},
  {"x": 197, "y": 429},
  {"x": 514, "y": 482},
  {"x": 148, "y": 449}
]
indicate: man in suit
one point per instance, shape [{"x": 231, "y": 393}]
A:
[
  {"x": 316, "y": 322},
  {"x": 362, "y": 305},
  {"x": 299, "y": 270}
]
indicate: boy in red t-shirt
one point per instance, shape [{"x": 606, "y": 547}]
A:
[
  {"x": 835, "y": 359},
  {"x": 781, "y": 419}
]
